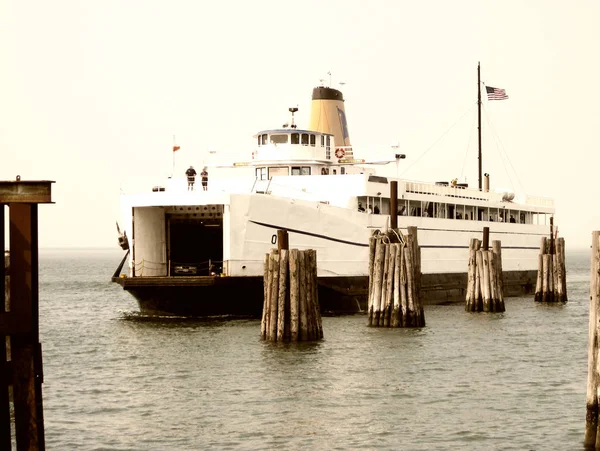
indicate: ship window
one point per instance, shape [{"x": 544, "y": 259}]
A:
[
  {"x": 342, "y": 170},
  {"x": 312, "y": 140},
  {"x": 322, "y": 141},
  {"x": 261, "y": 173},
  {"x": 278, "y": 171},
  {"x": 305, "y": 139},
  {"x": 300, "y": 170},
  {"x": 295, "y": 138},
  {"x": 264, "y": 139},
  {"x": 334, "y": 172},
  {"x": 258, "y": 140},
  {"x": 279, "y": 139}
]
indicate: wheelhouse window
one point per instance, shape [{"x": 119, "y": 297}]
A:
[
  {"x": 322, "y": 141},
  {"x": 313, "y": 140},
  {"x": 261, "y": 173},
  {"x": 300, "y": 170},
  {"x": 295, "y": 138},
  {"x": 264, "y": 139},
  {"x": 279, "y": 139},
  {"x": 305, "y": 139},
  {"x": 280, "y": 170}
]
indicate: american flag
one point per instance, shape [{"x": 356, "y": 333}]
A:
[{"x": 496, "y": 93}]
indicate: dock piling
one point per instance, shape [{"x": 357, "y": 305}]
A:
[
  {"x": 592, "y": 438},
  {"x": 20, "y": 348},
  {"x": 394, "y": 293},
  {"x": 551, "y": 283},
  {"x": 485, "y": 284},
  {"x": 291, "y": 306}
]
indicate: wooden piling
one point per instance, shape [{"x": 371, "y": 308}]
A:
[
  {"x": 374, "y": 312},
  {"x": 303, "y": 315},
  {"x": 394, "y": 297},
  {"x": 396, "y": 320},
  {"x": 273, "y": 301},
  {"x": 470, "y": 300},
  {"x": 592, "y": 438},
  {"x": 389, "y": 285},
  {"x": 484, "y": 282},
  {"x": 264, "y": 324},
  {"x": 497, "y": 249},
  {"x": 283, "y": 294},
  {"x": 291, "y": 308},
  {"x": 294, "y": 295},
  {"x": 551, "y": 283}
]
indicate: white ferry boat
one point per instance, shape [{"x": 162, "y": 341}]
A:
[{"x": 201, "y": 252}]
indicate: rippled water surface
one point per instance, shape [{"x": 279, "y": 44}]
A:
[{"x": 118, "y": 381}]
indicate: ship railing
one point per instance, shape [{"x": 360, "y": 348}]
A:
[
  {"x": 285, "y": 151},
  {"x": 147, "y": 266},
  {"x": 451, "y": 191},
  {"x": 467, "y": 193},
  {"x": 539, "y": 201},
  {"x": 208, "y": 267}
]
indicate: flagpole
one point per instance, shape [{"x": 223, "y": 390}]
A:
[
  {"x": 479, "y": 119},
  {"x": 173, "y": 151}
]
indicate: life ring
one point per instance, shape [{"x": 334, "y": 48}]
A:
[{"x": 339, "y": 153}]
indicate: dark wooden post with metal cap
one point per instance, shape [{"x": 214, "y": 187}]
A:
[
  {"x": 394, "y": 204},
  {"x": 21, "y": 366}
]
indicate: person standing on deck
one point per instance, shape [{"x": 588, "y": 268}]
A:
[
  {"x": 191, "y": 177},
  {"x": 204, "y": 175}
]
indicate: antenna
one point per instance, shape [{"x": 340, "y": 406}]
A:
[{"x": 293, "y": 110}]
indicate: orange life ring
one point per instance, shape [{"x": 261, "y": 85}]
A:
[{"x": 339, "y": 153}]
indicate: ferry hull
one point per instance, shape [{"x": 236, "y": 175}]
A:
[{"x": 243, "y": 296}]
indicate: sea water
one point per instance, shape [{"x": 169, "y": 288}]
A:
[{"x": 116, "y": 380}]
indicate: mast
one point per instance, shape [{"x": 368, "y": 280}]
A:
[{"x": 479, "y": 119}]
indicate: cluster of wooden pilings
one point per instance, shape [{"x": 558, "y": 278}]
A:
[
  {"x": 395, "y": 280},
  {"x": 592, "y": 434},
  {"x": 551, "y": 285},
  {"x": 485, "y": 283},
  {"x": 291, "y": 309}
]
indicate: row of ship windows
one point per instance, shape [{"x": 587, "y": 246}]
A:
[
  {"x": 378, "y": 205},
  {"x": 294, "y": 138},
  {"x": 267, "y": 173}
]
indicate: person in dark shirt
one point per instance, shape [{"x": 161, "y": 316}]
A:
[
  {"x": 204, "y": 175},
  {"x": 191, "y": 177}
]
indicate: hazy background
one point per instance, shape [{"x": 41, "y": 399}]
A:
[{"x": 92, "y": 92}]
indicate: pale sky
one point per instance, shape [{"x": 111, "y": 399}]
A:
[{"x": 92, "y": 92}]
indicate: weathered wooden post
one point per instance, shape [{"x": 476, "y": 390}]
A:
[
  {"x": 291, "y": 306},
  {"x": 393, "y": 204},
  {"x": 394, "y": 295},
  {"x": 592, "y": 437}
]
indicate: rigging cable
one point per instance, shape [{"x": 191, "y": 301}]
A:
[
  {"x": 462, "y": 170},
  {"x": 502, "y": 150},
  {"x": 439, "y": 139}
]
